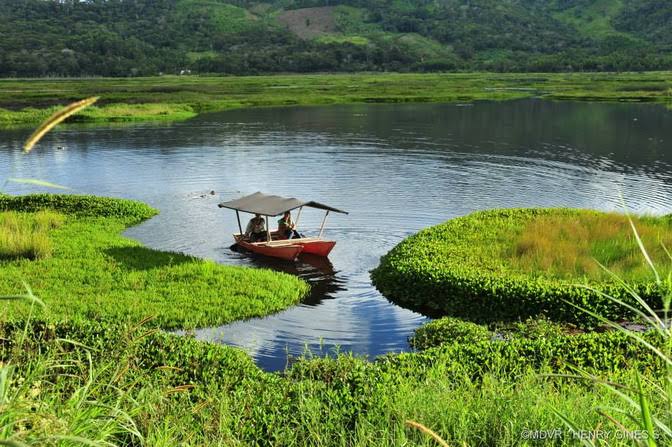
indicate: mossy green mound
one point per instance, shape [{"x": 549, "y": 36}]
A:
[
  {"x": 516, "y": 263},
  {"x": 94, "y": 273}
]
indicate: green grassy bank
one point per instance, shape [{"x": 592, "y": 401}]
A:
[
  {"x": 170, "y": 98},
  {"x": 92, "y": 272},
  {"x": 509, "y": 264}
]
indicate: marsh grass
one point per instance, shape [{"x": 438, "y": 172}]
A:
[
  {"x": 60, "y": 396},
  {"x": 124, "y": 397},
  {"x": 647, "y": 400},
  {"x": 136, "y": 112},
  {"x": 82, "y": 407},
  {"x": 133, "y": 99},
  {"x": 567, "y": 247},
  {"x": 24, "y": 235}
]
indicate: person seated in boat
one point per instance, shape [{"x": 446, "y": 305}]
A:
[
  {"x": 256, "y": 230},
  {"x": 286, "y": 228}
]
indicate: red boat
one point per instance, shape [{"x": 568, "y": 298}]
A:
[
  {"x": 287, "y": 252},
  {"x": 275, "y": 244},
  {"x": 315, "y": 246}
]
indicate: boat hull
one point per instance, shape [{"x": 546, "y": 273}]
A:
[
  {"x": 287, "y": 252},
  {"x": 318, "y": 248}
]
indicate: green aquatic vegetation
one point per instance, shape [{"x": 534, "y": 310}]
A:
[
  {"x": 79, "y": 206},
  {"x": 136, "y": 112},
  {"x": 179, "y": 97},
  {"x": 610, "y": 352},
  {"x": 171, "y": 390},
  {"x": 94, "y": 273},
  {"x": 448, "y": 330},
  {"x": 475, "y": 267}
]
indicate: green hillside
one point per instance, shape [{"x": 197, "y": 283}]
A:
[{"x": 148, "y": 37}]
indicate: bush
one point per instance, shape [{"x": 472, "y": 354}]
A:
[
  {"x": 215, "y": 395},
  {"x": 79, "y": 205},
  {"x": 172, "y": 359},
  {"x": 448, "y": 330},
  {"x": 461, "y": 268},
  {"x": 533, "y": 328},
  {"x": 600, "y": 353}
]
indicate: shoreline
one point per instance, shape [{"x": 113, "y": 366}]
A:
[{"x": 179, "y": 98}]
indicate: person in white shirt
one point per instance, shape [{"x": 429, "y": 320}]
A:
[{"x": 256, "y": 229}]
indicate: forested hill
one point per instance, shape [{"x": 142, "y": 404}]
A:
[{"x": 148, "y": 37}]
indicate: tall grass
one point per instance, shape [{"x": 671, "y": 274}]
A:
[
  {"x": 568, "y": 247},
  {"x": 27, "y": 236},
  {"x": 56, "y": 118},
  {"x": 647, "y": 400}
]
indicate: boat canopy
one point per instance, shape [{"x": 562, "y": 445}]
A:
[{"x": 266, "y": 205}]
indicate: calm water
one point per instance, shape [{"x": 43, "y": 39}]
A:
[{"x": 395, "y": 168}]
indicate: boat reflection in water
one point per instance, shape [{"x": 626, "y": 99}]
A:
[
  {"x": 318, "y": 271},
  {"x": 269, "y": 339}
]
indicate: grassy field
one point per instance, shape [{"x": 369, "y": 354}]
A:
[
  {"x": 94, "y": 273},
  {"x": 28, "y": 101}
]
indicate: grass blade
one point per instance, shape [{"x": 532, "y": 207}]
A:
[
  {"x": 427, "y": 431},
  {"x": 573, "y": 427},
  {"x": 31, "y": 181},
  {"x": 56, "y": 119},
  {"x": 646, "y": 413}
]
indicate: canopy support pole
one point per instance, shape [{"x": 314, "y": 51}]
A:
[
  {"x": 323, "y": 222},
  {"x": 268, "y": 231},
  {"x": 298, "y": 216},
  {"x": 240, "y": 228}
]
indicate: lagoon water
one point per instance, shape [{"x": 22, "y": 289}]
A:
[{"x": 395, "y": 168}]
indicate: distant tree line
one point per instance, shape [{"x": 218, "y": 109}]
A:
[{"x": 148, "y": 37}]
